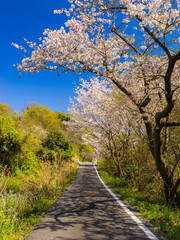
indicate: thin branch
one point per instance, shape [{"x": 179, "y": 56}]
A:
[
  {"x": 170, "y": 124},
  {"x": 177, "y": 161},
  {"x": 113, "y": 29},
  {"x": 155, "y": 38}
]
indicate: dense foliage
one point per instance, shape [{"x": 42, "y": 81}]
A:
[
  {"x": 23, "y": 136},
  {"x": 55, "y": 143},
  {"x": 10, "y": 141},
  {"x": 36, "y": 164}
]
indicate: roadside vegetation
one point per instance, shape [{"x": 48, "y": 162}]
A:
[
  {"x": 120, "y": 143},
  {"x": 148, "y": 201},
  {"x": 37, "y": 163}
]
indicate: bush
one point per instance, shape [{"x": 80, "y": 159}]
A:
[
  {"x": 55, "y": 145},
  {"x": 10, "y": 142}
]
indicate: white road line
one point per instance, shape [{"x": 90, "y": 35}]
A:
[{"x": 136, "y": 219}]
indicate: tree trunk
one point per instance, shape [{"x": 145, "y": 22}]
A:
[{"x": 170, "y": 188}]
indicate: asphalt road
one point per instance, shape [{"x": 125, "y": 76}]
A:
[{"x": 87, "y": 211}]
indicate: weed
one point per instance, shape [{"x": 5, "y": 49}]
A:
[{"x": 25, "y": 196}]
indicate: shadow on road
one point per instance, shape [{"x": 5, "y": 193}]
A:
[{"x": 86, "y": 211}]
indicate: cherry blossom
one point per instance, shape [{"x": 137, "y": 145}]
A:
[
  {"x": 100, "y": 114},
  {"x": 134, "y": 45}
]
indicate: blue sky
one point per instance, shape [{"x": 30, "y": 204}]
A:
[{"x": 27, "y": 19}]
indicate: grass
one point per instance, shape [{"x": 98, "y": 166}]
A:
[
  {"x": 26, "y": 195},
  {"x": 164, "y": 218}
]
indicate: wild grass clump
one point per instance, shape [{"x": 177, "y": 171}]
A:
[{"x": 26, "y": 195}]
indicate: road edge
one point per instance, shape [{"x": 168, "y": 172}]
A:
[{"x": 145, "y": 229}]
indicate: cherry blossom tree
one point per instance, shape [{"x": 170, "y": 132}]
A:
[
  {"x": 110, "y": 123},
  {"x": 134, "y": 44},
  {"x": 100, "y": 114}
]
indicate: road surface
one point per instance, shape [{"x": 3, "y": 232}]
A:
[{"x": 87, "y": 211}]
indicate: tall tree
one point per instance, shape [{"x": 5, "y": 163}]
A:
[{"x": 134, "y": 44}]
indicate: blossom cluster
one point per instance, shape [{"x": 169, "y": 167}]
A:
[
  {"x": 130, "y": 43},
  {"x": 100, "y": 113}
]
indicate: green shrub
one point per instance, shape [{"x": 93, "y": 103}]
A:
[
  {"x": 56, "y": 145},
  {"x": 10, "y": 142}
]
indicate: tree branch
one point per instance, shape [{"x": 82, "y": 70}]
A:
[
  {"x": 150, "y": 33},
  {"x": 170, "y": 124},
  {"x": 177, "y": 161},
  {"x": 113, "y": 29}
]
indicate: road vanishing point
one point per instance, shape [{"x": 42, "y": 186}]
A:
[{"x": 89, "y": 210}]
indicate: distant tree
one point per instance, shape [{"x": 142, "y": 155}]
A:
[
  {"x": 62, "y": 116},
  {"x": 104, "y": 118},
  {"x": 40, "y": 116},
  {"x": 5, "y": 110},
  {"x": 30, "y": 104}
]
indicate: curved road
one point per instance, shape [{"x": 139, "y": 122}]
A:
[{"x": 87, "y": 211}]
